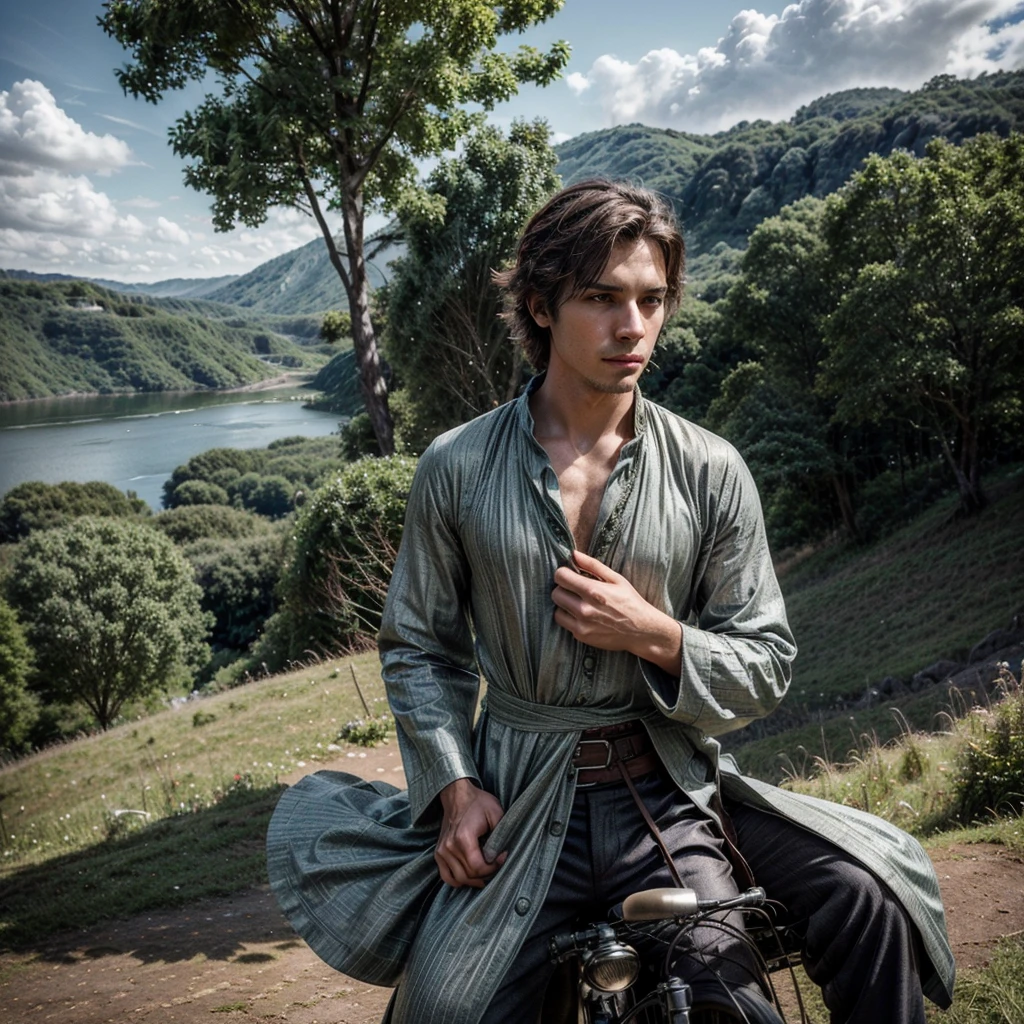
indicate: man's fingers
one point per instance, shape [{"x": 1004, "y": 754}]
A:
[{"x": 594, "y": 566}]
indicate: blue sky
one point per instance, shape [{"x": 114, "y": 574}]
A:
[{"x": 88, "y": 184}]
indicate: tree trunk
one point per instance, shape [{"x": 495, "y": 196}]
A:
[
  {"x": 841, "y": 485},
  {"x": 371, "y": 377}
]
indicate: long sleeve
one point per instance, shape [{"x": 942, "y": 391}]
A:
[
  {"x": 426, "y": 641},
  {"x": 737, "y": 646}
]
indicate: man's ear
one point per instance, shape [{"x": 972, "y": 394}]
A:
[{"x": 538, "y": 310}]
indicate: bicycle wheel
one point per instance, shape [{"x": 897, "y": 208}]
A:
[{"x": 745, "y": 1007}]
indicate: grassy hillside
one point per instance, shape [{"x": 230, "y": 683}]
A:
[
  {"x": 65, "y": 337},
  {"x": 112, "y": 824},
  {"x": 930, "y": 591}
]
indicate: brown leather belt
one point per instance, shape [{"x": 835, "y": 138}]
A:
[{"x": 600, "y": 752}]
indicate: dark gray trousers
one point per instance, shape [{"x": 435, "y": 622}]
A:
[{"x": 859, "y": 944}]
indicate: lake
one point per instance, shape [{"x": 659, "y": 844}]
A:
[{"x": 135, "y": 441}]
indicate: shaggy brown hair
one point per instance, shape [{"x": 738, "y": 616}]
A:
[{"x": 567, "y": 244}]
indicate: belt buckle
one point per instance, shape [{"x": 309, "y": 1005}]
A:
[{"x": 609, "y": 753}]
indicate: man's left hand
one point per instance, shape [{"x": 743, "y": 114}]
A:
[{"x": 604, "y": 610}]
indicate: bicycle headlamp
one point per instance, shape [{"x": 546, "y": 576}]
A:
[{"x": 612, "y": 967}]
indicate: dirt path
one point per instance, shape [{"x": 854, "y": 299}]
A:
[{"x": 239, "y": 957}]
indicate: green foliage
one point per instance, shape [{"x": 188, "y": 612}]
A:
[
  {"x": 990, "y": 770},
  {"x": 724, "y": 185},
  {"x": 237, "y": 577},
  {"x": 445, "y": 338},
  {"x": 19, "y": 708},
  {"x": 994, "y": 995},
  {"x": 189, "y": 523},
  {"x": 270, "y": 496},
  {"x": 37, "y": 506},
  {"x": 336, "y": 324},
  {"x": 345, "y": 541},
  {"x": 65, "y": 337},
  {"x": 111, "y": 611},
  {"x": 264, "y": 480},
  {"x": 931, "y": 326},
  {"x": 327, "y": 106},
  {"x": 366, "y": 732}
]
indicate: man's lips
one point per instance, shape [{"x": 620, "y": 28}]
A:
[{"x": 625, "y": 360}]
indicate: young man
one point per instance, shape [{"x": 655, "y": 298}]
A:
[{"x": 602, "y": 563}]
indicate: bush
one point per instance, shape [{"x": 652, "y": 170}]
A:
[
  {"x": 990, "y": 770},
  {"x": 345, "y": 541},
  {"x": 19, "y": 709},
  {"x": 196, "y": 492},
  {"x": 238, "y": 578},
  {"x": 189, "y": 523}
]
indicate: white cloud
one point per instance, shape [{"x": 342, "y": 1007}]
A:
[
  {"x": 167, "y": 231},
  {"x": 45, "y": 201},
  {"x": 35, "y": 132},
  {"x": 768, "y": 65}
]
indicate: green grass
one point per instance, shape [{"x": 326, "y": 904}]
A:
[
  {"x": 931, "y": 590},
  {"x": 198, "y": 783}
]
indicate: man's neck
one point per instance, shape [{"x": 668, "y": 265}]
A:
[{"x": 581, "y": 415}]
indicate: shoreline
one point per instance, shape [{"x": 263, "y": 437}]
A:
[{"x": 288, "y": 379}]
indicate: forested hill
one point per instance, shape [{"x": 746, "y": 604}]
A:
[
  {"x": 63, "y": 337},
  {"x": 724, "y": 185}
]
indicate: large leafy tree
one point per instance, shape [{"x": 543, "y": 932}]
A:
[
  {"x": 770, "y": 406},
  {"x": 930, "y": 329},
  {"x": 325, "y": 105},
  {"x": 444, "y": 337},
  {"x": 112, "y": 611}
]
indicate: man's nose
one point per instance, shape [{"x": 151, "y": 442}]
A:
[{"x": 631, "y": 324}]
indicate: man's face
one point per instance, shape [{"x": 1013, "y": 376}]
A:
[{"x": 603, "y": 338}]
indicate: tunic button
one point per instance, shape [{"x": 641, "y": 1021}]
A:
[
  {"x": 557, "y": 828},
  {"x": 522, "y": 906},
  {"x": 588, "y": 662}
]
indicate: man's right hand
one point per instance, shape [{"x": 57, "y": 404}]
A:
[{"x": 469, "y": 815}]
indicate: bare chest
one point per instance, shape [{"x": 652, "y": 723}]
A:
[{"x": 581, "y": 483}]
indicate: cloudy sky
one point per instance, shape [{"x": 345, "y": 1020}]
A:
[{"x": 88, "y": 184}]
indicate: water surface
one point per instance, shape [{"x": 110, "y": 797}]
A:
[{"x": 135, "y": 441}]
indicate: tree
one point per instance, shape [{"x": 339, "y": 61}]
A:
[
  {"x": 111, "y": 610},
  {"x": 326, "y": 105},
  {"x": 931, "y": 327},
  {"x": 37, "y": 506},
  {"x": 19, "y": 708},
  {"x": 444, "y": 337},
  {"x": 779, "y": 307}
]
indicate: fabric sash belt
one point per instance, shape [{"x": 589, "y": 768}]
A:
[{"x": 530, "y": 716}]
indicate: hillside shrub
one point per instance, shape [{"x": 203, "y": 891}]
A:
[
  {"x": 990, "y": 769},
  {"x": 269, "y": 496},
  {"x": 188, "y": 523},
  {"x": 112, "y": 611},
  {"x": 197, "y": 492},
  {"x": 345, "y": 541},
  {"x": 238, "y": 577},
  {"x": 19, "y": 709}
]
